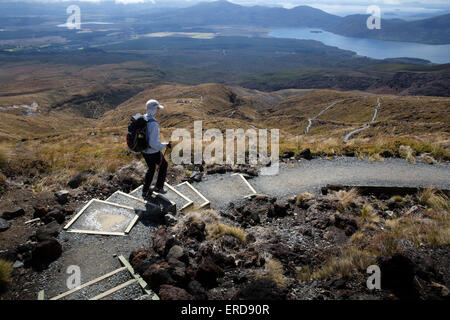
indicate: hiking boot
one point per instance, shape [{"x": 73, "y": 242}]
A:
[
  {"x": 160, "y": 190},
  {"x": 147, "y": 194}
]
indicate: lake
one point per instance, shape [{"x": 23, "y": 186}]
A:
[{"x": 377, "y": 49}]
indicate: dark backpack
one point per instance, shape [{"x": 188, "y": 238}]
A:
[{"x": 137, "y": 133}]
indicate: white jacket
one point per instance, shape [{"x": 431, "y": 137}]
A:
[{"x": 154, "y": 145}]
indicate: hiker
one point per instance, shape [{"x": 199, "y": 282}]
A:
[{"x": 153, "y": 154}]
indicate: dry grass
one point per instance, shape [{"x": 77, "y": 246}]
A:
[
  {"x": 303, "y": 197},
  {"x": 346, "y": 197},
  {"x": 274, "y": 270},
  {"x": 344, "y": 266},
  {"x": 5, "y": 273},
  {"x": 218, "y": 230},
  {"x": 408, "y": 153},
  {"x": 434, "y": 199}
]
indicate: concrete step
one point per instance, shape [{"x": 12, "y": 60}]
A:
[
  {"x": 181, "y": 200},
  {"x": 158, "y": 200},
  {"x": 103, "y": 218},
  {"x": 128, "y": 200},
  {"x": 223, "y": 189},
  {"x": 192, "y": 193}
]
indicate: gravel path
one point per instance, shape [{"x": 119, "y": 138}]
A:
[
  {"x": 310, "y": 176},
  {"x": 367, "y": 126},
  {"x": 97, "y": 255}
]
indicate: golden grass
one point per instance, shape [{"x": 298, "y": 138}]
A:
[
  {"x": 303, "y": 197},
  {"x": 434, "y": 199},
  {"x": 346, "y": 197},
  {"x": 218, "y": 230},
  {"x": 350, "y": 260},
  {"x": 379, "y": 237},
  {"x": 274, "y": 270},
  {"x": 5, "y": 273}
]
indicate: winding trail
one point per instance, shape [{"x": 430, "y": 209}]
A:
[
  {"x": 367, "y": 126},
  {"x": 312, "y": 175},
  {"x": 318, "y": 115}
]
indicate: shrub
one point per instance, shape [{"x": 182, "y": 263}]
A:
[
  {"x": 218, "y": 230},
  {"x": 2, "y": 158},
  {"x": 434, "y": 199},
  {"x": 5, "y": 273},
  {"x": 274, "y": 270},
  {"x": 303, "y": 196}
]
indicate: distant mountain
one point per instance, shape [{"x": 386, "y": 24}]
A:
[
  {"x": 434, "y": 30},
  {"x": 226, "y": 13}
]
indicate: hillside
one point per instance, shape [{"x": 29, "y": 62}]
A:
[{"x": 434, "y": 30}]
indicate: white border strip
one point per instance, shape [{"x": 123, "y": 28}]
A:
[
  {"x": 189, "y": 201},
  {"x": 106, "y": 233},
  {"x": 87, "y": 284},
  {"x": 246, "y": 182},
  {"x": 207, "y": 202}
]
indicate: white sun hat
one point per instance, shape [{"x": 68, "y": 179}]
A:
[{"x": 153, "y": 105}]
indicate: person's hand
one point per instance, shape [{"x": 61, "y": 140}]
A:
[{"x": 169, "y": 145}]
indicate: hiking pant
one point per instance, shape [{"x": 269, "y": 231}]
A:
[{"x": 153, "y": 160}]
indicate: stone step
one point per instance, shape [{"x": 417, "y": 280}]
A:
[
  {"x": 223, "y": 189},
  {"x": 192, "y": 193}
]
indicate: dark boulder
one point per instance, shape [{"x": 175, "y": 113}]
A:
[
  {"x": 305, "y": 154},
  {"x": 45, "y": 253},
  {"x": 48, "y": 231},
  {"x": 39, "y": 211},
  {"x": 261, "y": 290},
  {"x": 387, "y": 154},
  {"x": 208, "y": 272},
  {"x": 195, "y": 230},
  {"x": 4, "y": 225},
  {"x": 348, "y": 225},
  {"x": 197, "y": 291},
  {"x": 178, "y": 253},
  {"x": 157, "y": 275},
  {"x": 162, "y": 241},
  {"x": 287, "y": 155},
  {"x": 76, "y": 181},
  {"x": 168, "y": 292},
  {"x": 13, "y": 213},
  {"x": 397, "y": 275},
  {"x": 280, "y": 209},
  {"x": 62, "y": 196}
]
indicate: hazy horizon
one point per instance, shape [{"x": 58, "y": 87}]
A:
[{"x": 393, "y": 8}]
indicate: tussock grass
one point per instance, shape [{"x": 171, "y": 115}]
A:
[
  {"x": 344, "y": 266},
  {"x": 303, "y": 197},
  {"x": 408, "y": 153},
  {"x": 366, "y": 211},
  {"x": 346, "y": 197},
  {"x": 418, "y": 231},
  {"x": 274, "y": 270},
  {"x": 3, "y": 159},
  {"x": 5, "y": 273},
  {"x": 434, "y": 199},
  {"x": 218, "y": 230}
]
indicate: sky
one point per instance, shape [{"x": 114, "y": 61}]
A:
[{"x": 340, "y": 7}]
